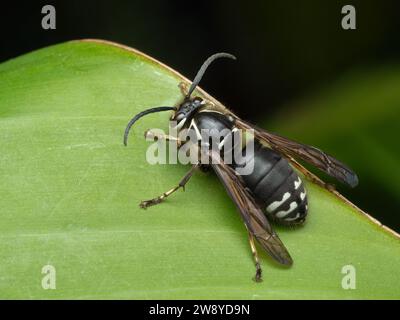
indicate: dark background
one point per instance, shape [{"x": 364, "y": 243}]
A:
[{"x": 287, "y": 50}]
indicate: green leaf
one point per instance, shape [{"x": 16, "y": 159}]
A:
[{"x": 70, "y": 192}]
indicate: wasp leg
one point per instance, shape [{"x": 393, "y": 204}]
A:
[
  {"x": 147, "y": 203},
  {"x": 149, "y": 134},
  {"x": 257, "y": 277},
  {"x": 184, "y": 87}
]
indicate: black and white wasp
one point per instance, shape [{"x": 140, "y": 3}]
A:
[{"x": 273, "y": 190}]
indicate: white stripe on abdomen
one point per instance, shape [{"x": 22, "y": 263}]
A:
[
  {"x": 276, "y": 204},
  {"x": 282, "y": 214}
]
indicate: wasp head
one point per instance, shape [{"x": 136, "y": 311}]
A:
[{"x": 186, "y": 110}]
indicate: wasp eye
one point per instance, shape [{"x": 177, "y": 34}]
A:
[
  {"x": 197, "y": 101},
  {"x": 179, "y": 117}
]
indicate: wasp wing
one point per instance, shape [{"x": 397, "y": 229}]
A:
[
  {"x": 253, "y": 217},
  {"x": 310, "y": 154}
]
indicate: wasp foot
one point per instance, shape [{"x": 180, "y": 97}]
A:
[
  {"x": 258, "y": 277},
  {"x": 148, "y": 203},
  {"x": 184, "y": 87}
]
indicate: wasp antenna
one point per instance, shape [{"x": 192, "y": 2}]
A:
[
  {"x": 141, "y": 114},
  {"x": 204, "y": 67}
]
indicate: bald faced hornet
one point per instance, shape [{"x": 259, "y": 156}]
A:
[{"x": 273, "y": 190}]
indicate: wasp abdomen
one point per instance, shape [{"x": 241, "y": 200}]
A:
[
  {"x": 273, "y": 182},
  {"x": 277, "y": 186}
]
